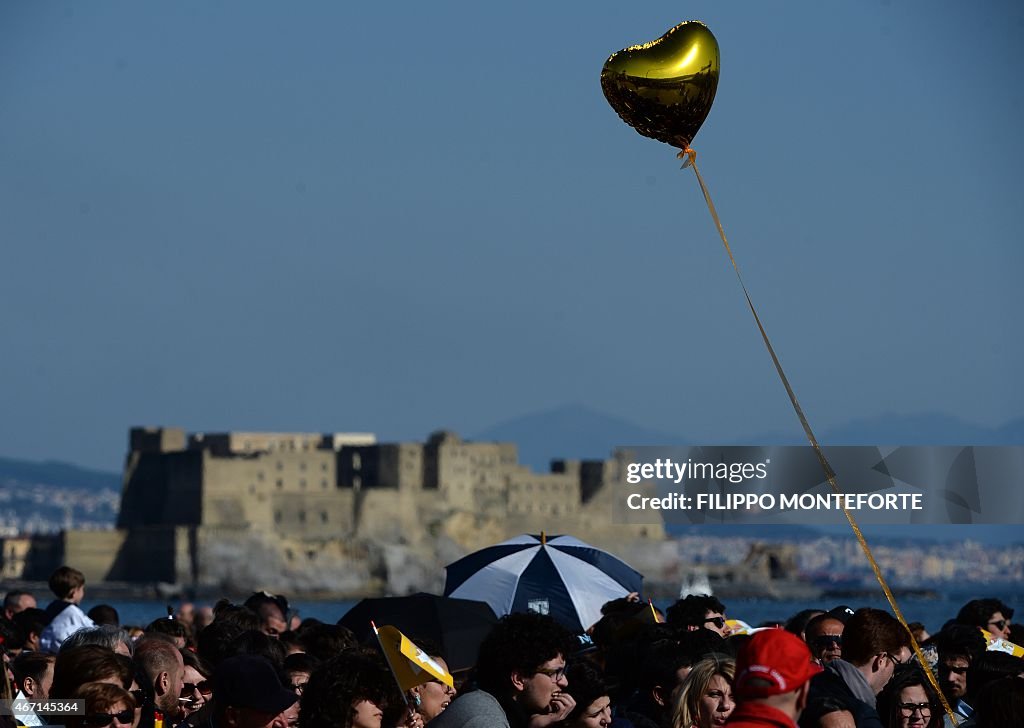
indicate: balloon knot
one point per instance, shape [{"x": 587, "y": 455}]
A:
[{"x": 689, "y": 155}]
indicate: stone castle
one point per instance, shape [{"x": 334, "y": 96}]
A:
[{"x": 336, "y": 513}]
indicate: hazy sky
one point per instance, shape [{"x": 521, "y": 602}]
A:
[{"x": 398, "y": 216}]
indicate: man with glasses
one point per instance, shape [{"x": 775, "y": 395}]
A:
[
  {"x": 824, "y": 635},
  {"x": 874, "y": 643},
  {"x": 521, "y": 678},
  {"x": 699, "y": 611}
]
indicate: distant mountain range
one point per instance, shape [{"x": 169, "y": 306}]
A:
[
  {"x": 56, "y": 474},
  {"x": 578, "y": 432}
]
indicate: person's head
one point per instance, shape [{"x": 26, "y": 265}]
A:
[
  {"x": 991, "y": 665},
  {"x": 248, "y": 693},
  {"x": 705, "y": 698},
  {"x": 106, "y": 706},
  {"x": 957, "y": 646},
  {"x": 824, "y": 635},
  {"x": 85, "y": 664},
  {"x": 197, "y": 686},
  {"x": 875, "y": 643},
  {"x": 225, "y": 611},
  {"x": 33, "y": 671},
  {"x": 254, "y": 642},
  {"x": 178, "y": 632},
  {"x": 798, "y": 622},
  {"x": 159, "y": 664},
  {"x": 114, "y": 639},
  {"x": 589, "y": 689},
  {"x": 523, "y": 659},
  {"x": 217, "y": 641},
  {"x": 351, "y": 690},
  {"x": 775, "y": 667},
  {"x": 1000, "y": 704},
  {"x": 272, "y": 611},
  {"x": 68, "y": 584},
  {"x": 908, "y": 701},
  {"x": 699, "y": 611},
  {"x": 298, "y": 666},
  {"x": 989, "y": 614},
  {"x": 104, "y": 615},
  {"x": 324, "y": 641},
  {"x": 918, "y": 630},
  {"x": 30, "y": 623},
  {"x": 16, "y": 601},
  {"x": 432, "y": 697},
  {"x": 663, "y": 663}
]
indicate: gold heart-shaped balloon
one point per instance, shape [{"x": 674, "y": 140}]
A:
[{"x": 664, "y": 89}]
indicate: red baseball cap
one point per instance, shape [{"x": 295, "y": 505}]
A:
[{"x": 773, "y": 662}]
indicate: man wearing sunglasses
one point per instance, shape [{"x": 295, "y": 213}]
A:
[
  {"x": 824, "y": 634},
  {"x": 521, "y": 675},
  {"x": 874, "y": 643},
  {"x": 991, "y": 615}
]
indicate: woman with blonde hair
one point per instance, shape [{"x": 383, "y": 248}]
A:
[{"x": 704, "y": 699}]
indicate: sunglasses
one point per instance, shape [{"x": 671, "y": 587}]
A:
[
  {"x": 827, "y": 639},
  {"x": 717, "y": 621},
  {"x": 98, "y": 720},
  {"x": 1000, "y": 624},
  {"x": 203, "y": 687}
]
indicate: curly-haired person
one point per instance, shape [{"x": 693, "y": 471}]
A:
[
  {"x": 352, "y": 690},
  {"x": 521, "y": 678}
]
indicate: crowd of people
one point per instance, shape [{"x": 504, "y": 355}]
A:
[{"x": 257, "y": 665}]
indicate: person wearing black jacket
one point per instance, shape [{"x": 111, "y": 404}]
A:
[{"x": 874, "y": 644}]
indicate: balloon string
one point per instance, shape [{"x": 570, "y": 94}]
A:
[{"x": 690, "y": 157}]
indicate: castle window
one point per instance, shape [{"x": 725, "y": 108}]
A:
[
  {"x": 280, "y": 483},
  {"x": 302, "y": 516},
  {"x": 323, "y": 483},
  {"x": 280, "y": 465},
  {"x": 252, "y": 489},
  {"x": 323, "y": 467},
  {"x": 277, "y": 517},
  {"x": 259, "y": 475},
  {"x": 323, "y": 516},
  {"x": 302, "y": 482},
  {"x": 302, "y": 466}
]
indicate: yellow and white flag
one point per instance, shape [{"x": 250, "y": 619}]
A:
[
  {"x": 410, "y": 665},
  {"x": 1000, "y": 645}
]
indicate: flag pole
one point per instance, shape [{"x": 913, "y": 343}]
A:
[{"x": 409, "y": 704}]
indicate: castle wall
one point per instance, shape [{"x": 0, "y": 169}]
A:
[
  {"x": 95, "y": 552},
  {"x": 161, "y": 487}
]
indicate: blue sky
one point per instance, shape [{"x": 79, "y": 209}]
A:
[{"x": 396, "y": 217}]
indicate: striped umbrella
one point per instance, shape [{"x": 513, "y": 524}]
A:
[{"x": 560, "y": 576}]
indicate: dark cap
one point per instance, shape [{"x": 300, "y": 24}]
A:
[
  {"x": 842, "y": 613},
  {"x": 248, "y": 681}
]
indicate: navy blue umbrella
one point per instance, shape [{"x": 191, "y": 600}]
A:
[
  {"x": 561, "y": 576},
  {"x": 458, "y": 626}
]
